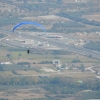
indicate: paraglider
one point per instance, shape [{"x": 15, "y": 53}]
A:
[
  {"x": 79, "y": 81},
  {"x": 33, "y": 23}
]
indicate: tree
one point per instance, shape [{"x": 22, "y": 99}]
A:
[
  {"x": 90, "y": 56},
  {"x": 19, "y": 55},
  {"x": 82, "y": 67},
  {"x": 8, "y": 55},
  {"x": 1, "y": 68},
  {"x": 63, "y": 66},
  {"x": 76, "y": 61},
  {"x": 14, "y": 72},
  {"x": 29, "y": 66}
]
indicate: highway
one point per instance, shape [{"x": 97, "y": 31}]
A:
[{"x": 59, "y": 43}]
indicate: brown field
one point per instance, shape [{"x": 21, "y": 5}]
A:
[
  {"x": 3, "y": 55},
  {"x": 6, "y": 7},
  {"x": 27, "y": 72},
  {"x": 75, "y": 75},
  {"x": 95, "y": 17},
  {"x": 20, "y": 94},
  {"x": 3, "y": 52},
  {"x": 6, "y": 73}
]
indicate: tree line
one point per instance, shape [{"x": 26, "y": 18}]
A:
[
  {"x": 93, "y": 45},
  {"x": 55, "y": 85}
]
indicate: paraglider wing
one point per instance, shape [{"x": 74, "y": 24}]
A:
[
  {"x": 80, "y": 81},
  {"x": 33, "y": 23}
]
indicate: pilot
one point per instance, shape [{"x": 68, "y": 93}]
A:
[{"x": 28, "y": 51}]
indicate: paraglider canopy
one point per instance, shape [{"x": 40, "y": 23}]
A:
[
  {"x": 33, "y": 23},
  {"x": 79, "y": 81}
]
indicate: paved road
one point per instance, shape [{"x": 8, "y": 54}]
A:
[
  {"x": 60, "y": 44},
  {"x": 90, "y": 68}
]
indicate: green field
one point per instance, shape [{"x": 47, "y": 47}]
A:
[
  {"x": 50, "y": 57},
  {"x": 6, "y": 73}
]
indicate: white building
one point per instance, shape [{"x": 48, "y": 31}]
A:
[
  {"x": 6, "y": 63},
  {"x": 80, "y": 0}
]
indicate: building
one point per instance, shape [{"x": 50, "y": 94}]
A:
[
  {"x": 6, "y": 63},
  {"x": 80, "y": 0},
  {"x": 56, "y": 62}
]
